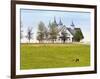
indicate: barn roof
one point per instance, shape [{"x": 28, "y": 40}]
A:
[{"x": 72, "y": 31}]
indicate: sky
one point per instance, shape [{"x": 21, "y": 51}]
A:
[{"x": 32, "y": 17}]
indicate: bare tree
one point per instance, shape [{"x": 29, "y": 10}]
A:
[
  {"x": 29, "y": 34},
  {"x": 21, "y": 31}
]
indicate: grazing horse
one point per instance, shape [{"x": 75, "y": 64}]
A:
[{"x": 77, "y": 60}]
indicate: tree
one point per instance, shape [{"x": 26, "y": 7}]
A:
[
  {"x": 29, "y": 34},
  {"x": 21, "y": 35},
  {"x": 21, "y": 32},
  {"x": 78, "y": 36},
  {"x": 53, "y": 31},
  {"x": 64, "y": 36},
  {"x": 41, "y": 31},
  {"x": 46, "y": 33}
]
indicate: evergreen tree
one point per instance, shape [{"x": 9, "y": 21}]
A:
[
  {"x": 53, "y": 31},
  {"x": 78, "y": 36},
  {"x": 41, "y": 31}
]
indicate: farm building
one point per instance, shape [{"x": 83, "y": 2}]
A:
[
  {"x": 66, "y": 34},
  {"x": 55, "y": 33}
]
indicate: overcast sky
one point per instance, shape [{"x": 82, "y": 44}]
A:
[{"x": 31, "y": 18}]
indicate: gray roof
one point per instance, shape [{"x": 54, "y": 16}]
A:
[{"x": 72, "y": 31}]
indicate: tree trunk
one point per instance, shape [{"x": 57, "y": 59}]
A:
[{"x": 53, "y": 41}]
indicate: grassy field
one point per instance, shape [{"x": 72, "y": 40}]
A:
[{"x": 36, "y": 56}]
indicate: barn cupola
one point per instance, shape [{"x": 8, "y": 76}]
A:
[
  {"x": 55, "y": 21},
  {"x": 60, "y": 23},
  {"x": 72, "y": 25}
]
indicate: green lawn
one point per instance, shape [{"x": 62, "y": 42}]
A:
[{"x": 35, "y": 56}]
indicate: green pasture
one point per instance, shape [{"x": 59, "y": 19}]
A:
[{"x": 36, "y": 56}]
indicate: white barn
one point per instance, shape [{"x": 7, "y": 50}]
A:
[{"x": 71, "y": 30}]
